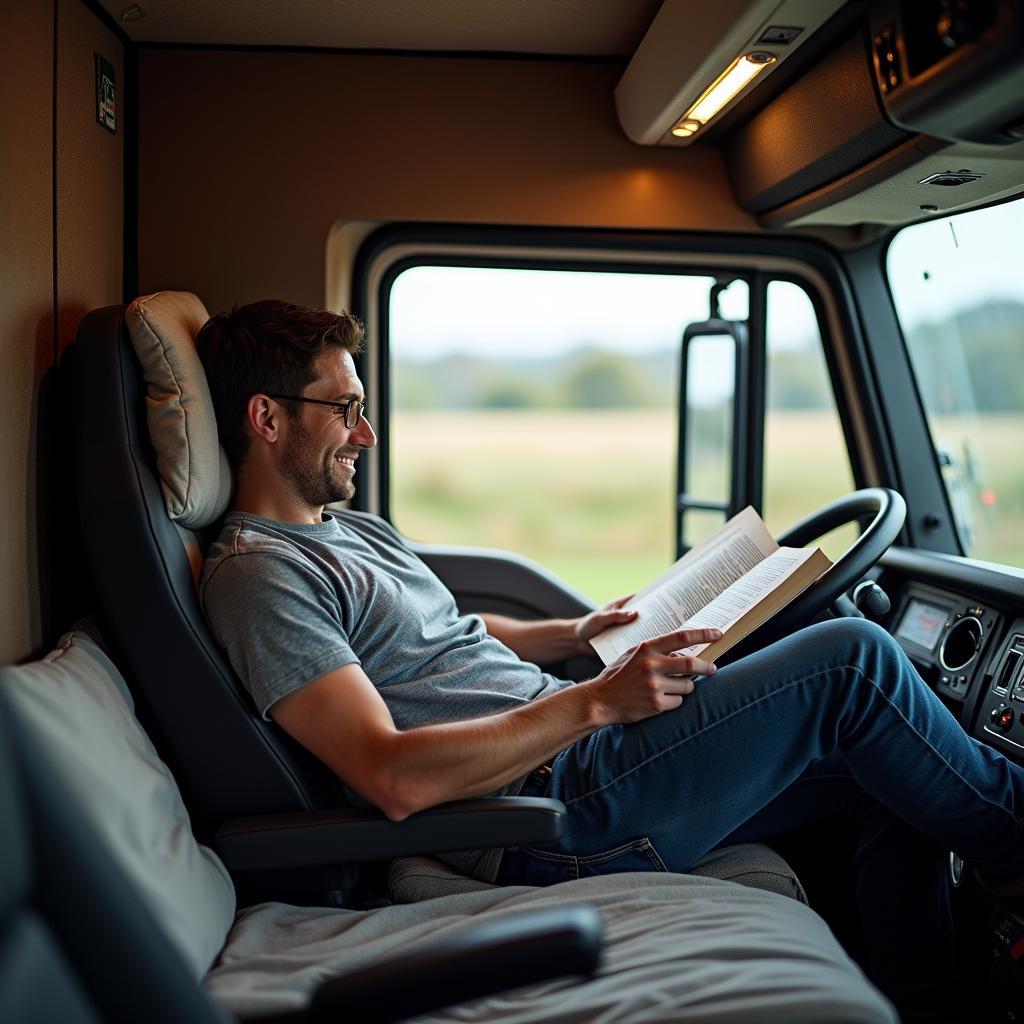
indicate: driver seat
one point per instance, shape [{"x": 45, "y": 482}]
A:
[
  {"x": 147, "y": 513},
  {"x": 153, "y": 484}
]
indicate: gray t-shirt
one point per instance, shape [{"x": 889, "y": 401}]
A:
[{"x": 292, "y": 602}]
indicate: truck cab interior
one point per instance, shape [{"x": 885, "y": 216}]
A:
[{"x": 625, "y": 269}]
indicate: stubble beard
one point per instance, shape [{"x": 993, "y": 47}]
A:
[{"x": 313, "y": 477}]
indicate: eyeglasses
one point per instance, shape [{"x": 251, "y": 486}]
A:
[{"x": 352, "y": 410}]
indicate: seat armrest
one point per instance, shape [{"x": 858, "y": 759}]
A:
[
  {"x": 352, "y": 835},
  {"x": 518, "y": 950}
]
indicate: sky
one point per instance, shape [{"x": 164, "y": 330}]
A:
[
  {"x": 510, "y": 314},
  {"x": 951, "y": 263},
  {"x": 440, "y": 310},
  {"x": 936, "y": 267}
]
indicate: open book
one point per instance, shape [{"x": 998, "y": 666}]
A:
[{"x": 736, "y": 580}]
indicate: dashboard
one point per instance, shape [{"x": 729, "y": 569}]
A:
[{"x": 969, "y": 647}]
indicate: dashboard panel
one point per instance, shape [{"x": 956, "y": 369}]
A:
[
  {"x": 947, "y": 636},
  {"x": 962, "y": 625},
  {"x": 1000, "y": 717}
]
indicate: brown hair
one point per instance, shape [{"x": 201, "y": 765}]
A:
[{"x": 267, "y": 346}]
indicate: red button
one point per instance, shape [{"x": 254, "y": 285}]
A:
[
  {"x": 1017, "y": 949},
  {"x": 1006, "y": 718}
]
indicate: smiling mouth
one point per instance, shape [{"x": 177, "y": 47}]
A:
[{"x": 346, "y": 460}]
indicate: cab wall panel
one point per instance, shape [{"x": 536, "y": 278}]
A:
[
  {"x": 49, "y": 119},
  {"x": 247, "y": 159},
  {"x": 90, "y": 171},
  {"x": 26, "y": 305}
]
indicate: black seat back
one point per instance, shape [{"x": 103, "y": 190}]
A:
[{"x": 228, "y": 761}]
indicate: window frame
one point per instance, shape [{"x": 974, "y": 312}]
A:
[
  {"x": 930, "y": 525},
  {"x": 815, "y": 267}
]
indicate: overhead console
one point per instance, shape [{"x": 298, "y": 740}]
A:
[
  {"x": 840, "y": 114},
  {"x": 825, "y": 126},
  {"x": 951, "y": 68},
  {"x": 918, "y": 110}
]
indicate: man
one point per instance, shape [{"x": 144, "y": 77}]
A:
[{"x": 349, "y": 643}]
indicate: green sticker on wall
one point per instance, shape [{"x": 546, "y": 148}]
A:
[{"x": 106, "y": 108}]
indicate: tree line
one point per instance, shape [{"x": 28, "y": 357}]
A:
[{"x": 974, "y": 360}]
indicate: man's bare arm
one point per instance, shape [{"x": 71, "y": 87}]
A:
[
  {"x": 549, "y": 640},
  {"x": 343, "y": 720}
]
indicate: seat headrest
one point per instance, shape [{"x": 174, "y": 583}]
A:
[{"x": 194, "y": 472}]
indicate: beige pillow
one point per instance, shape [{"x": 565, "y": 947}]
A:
[
  {"x": 77, "y": 707},
  {"x": 193, "y": 468}
]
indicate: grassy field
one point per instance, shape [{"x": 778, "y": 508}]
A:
[
  {"x": 995, "y": 498},
  {"x": 590, "y": 493}
]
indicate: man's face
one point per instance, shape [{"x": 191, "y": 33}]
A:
[{"x": 318, "y": 459}]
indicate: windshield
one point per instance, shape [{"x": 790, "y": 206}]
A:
[{"x": 958, "y": 286}]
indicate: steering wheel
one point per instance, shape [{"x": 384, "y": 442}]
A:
[{"x": 886, "y": 511}]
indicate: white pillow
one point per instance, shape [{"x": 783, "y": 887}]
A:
[
  {"x": 193, "y": 468},
  {"x": 77, "y": 705}
]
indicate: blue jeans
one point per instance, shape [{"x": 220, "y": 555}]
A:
[{"x": 833, "y": 719}]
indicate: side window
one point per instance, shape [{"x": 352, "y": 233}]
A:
[
  {"x": 806, "y": 462},
  {"x": 535, "y": 411},
  {"x": 959, "y": 293}
]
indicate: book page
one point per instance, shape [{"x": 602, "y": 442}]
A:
[
  {"x": 690, "y": 585},
  {"x": 733, "y": 603},
  {"x": 747, "y": 602}
]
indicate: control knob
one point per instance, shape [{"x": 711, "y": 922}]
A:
[{"x": 1001, "y": 718}]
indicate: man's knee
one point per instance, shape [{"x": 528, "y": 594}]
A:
[{"x": 854, "y": 641}]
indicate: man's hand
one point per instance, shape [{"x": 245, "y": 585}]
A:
[
  {"x": 612, "y": 614},
  {"x": 650, "y": 678}
]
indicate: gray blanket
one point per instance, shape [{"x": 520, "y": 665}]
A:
[{"x": 678, "y": 948}]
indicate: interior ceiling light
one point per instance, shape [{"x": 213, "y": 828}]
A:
[
  {"x": 728, "y": 84},
  {"x": 685, "y": 128}
]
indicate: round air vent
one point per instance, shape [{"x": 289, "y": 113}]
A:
[{"x": 961, "y": 643}]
